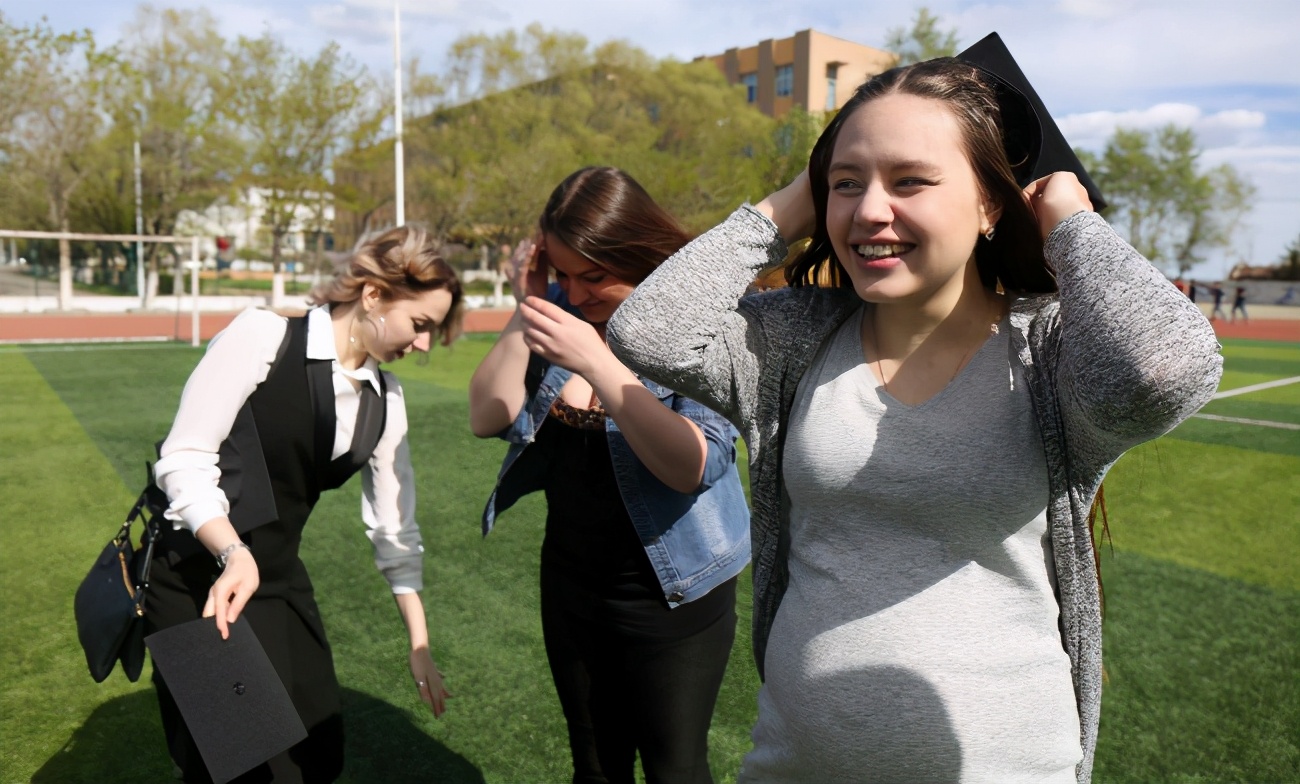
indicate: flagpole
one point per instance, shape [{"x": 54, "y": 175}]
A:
[{"x": 400, "y": 183}]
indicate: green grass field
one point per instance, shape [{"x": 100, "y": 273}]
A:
[{"x": 1202, "y": 586}]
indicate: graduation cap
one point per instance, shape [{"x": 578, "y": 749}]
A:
[
  {"x": 233, "y": 701},
  {"x": 1033, "y": 143}
]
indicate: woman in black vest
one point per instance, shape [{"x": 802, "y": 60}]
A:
[{"x": 277, "y": 411}]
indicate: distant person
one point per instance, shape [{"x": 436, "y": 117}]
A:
[
  {"x": 1218, "y": 293},
  {"x": 1287, "y": 297},
  {"x": 1239, "y": 304},
  {"x": 278, "y": 411},
  {"x": 646, "y": 522},
  {"x": 1191, "y": 290}
]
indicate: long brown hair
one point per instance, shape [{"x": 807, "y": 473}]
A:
[
  {"x": 1015, "y": 254},
  {"x": 403, "y": 263},
  {"x": 608, "y": 218}
]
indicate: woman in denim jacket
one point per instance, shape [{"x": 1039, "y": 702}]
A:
[{"x": 647, "y": 526}]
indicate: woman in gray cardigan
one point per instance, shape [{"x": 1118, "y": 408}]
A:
[{"x": 924, "y": 448}]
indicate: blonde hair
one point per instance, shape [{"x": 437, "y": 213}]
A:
[{"x": 402, "y": 263}]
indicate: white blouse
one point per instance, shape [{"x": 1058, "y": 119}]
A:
[{"x": 237, "y": 360}]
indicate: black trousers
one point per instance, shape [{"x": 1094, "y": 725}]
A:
[
  {"x": 300, "y": 656},
  {"x": 634, "y": 676}
]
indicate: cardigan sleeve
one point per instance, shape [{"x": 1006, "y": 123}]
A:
[
  {"x": 1135, "y": 356},
  {"x": 685, "y": 326}
]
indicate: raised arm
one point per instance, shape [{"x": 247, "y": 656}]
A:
[
  {"x": 685, "y": 327},
  {"x": 671, "y": 446},
  {"x": 1136, "y": 356},
  {"x": 496, "y": 390}
]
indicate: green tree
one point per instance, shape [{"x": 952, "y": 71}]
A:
[
  {"x": 924, "y": 41},
  {"x": 52, "y": 133},
  {"x": 295, "y": 115},
  {"x": 1288, "y": 264},
  {"x": 481, "y": 170},
  {"x": 170, "y": 102},
  {"x": 1168, "y": 207}
]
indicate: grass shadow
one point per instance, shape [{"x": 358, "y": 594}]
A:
[{"x": 121, "y": 742}]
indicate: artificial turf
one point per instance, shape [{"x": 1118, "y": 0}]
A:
[{"x": 1202, "y": 589}]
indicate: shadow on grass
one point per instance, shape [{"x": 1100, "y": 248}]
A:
[{"x": 122, "y": 741}]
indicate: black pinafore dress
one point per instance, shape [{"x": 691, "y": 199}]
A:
[{"x": 274, "y": 465}]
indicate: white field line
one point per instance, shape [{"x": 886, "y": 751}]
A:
[
  {"x": 1281, "y": 382},
  {"x": 1241, "y": 421}
]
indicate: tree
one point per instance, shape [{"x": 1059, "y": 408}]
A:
[
  {"x": 925, "y": 41},
  {"x": 481, "y": 170},
  {"x": 170, "y": 103},
  {"x": 52, "y": 133},
  {"x": 1288, "y": 265},
  {"x": 295, "y": 115},
  {"x": 1160, "y": 199}
]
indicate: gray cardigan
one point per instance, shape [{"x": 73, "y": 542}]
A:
[{"x": 1118, "y": 357}]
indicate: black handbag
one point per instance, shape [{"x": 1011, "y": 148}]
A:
[{"x": 109, "y": 605}]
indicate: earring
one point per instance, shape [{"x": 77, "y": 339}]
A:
[
  {"x": 988, "y": 235},
  {"x": 381, "y": 319}
]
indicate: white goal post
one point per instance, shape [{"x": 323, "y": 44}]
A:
[{"x": 72, "y": 236}]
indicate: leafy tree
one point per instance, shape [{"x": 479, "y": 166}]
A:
[
  {"x": 295, "y": 115},
  {"x": 170, "y": 101},
  {"x": 1168, "y": 208},
  {"x": 1288, "y": 265},
  {"x": 51, "y": 133},
  {"x": 482, "y": 169},
  {"x": 924, "y": 41}
]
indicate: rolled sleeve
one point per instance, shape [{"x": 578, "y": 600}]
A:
[{"x": 236, "y": 361}]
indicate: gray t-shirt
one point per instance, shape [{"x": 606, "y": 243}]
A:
[{"x": 918, "y": 639}]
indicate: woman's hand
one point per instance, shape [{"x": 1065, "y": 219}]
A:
[
  {"x": 791, "y": 209},
  {"x": 1056, "y": 197},
  {"x": 429, "y": 681},
  {"x": 561, "y": 338},
  {"x": 526, "y": 270},
  {"x": 232, "y": 590}
]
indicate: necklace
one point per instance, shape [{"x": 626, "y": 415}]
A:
[{"x": 880, "y": 371}]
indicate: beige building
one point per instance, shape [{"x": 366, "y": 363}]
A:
[{"x": 810, "y": 69}]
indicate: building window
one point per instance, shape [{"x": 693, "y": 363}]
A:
[
  {"x": 784, "y": 80},
  {"x": 750, "y": 80},
  {"x": 832, "y": 74}
]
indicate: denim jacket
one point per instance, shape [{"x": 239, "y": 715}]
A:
[{"x": 695, "y": 541}]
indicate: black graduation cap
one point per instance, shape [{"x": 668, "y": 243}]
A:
[
  {"x": 1034, "y": 144},
  {"x": 233, "y": 702}
]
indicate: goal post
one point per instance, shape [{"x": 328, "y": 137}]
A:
[{"x": 194, "y": 263}]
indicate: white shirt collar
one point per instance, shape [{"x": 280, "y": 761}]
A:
[{"x": 320, "y": 345}]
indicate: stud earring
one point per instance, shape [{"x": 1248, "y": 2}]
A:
[
  {"x": 381, "y": 319},
  {"x": 988, "y": 235}
]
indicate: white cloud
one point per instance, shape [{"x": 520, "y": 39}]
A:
[{"x": 1092, "y": 129}]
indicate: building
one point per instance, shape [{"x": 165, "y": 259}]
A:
[
  {"x": 812, "y": 70},
  {"x": 241, "y": 226}
]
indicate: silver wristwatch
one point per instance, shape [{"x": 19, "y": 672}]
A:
[{"x": 229, "y": 549}]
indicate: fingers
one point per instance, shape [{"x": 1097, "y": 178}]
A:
[{"x": 1056, "y": 197}]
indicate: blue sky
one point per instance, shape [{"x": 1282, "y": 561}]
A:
[{"x": 1227, "y": 70}]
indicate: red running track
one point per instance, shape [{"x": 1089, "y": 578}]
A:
[{"x": 73, "y": 327}]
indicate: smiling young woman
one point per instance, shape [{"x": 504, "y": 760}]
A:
[
  {"x": 646, "y": 525},
  {"x": 924, "y": 448},
  {"x": 278, "y": 411}
]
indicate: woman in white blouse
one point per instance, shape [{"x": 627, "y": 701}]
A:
[{"x": 277, "y": 411}]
